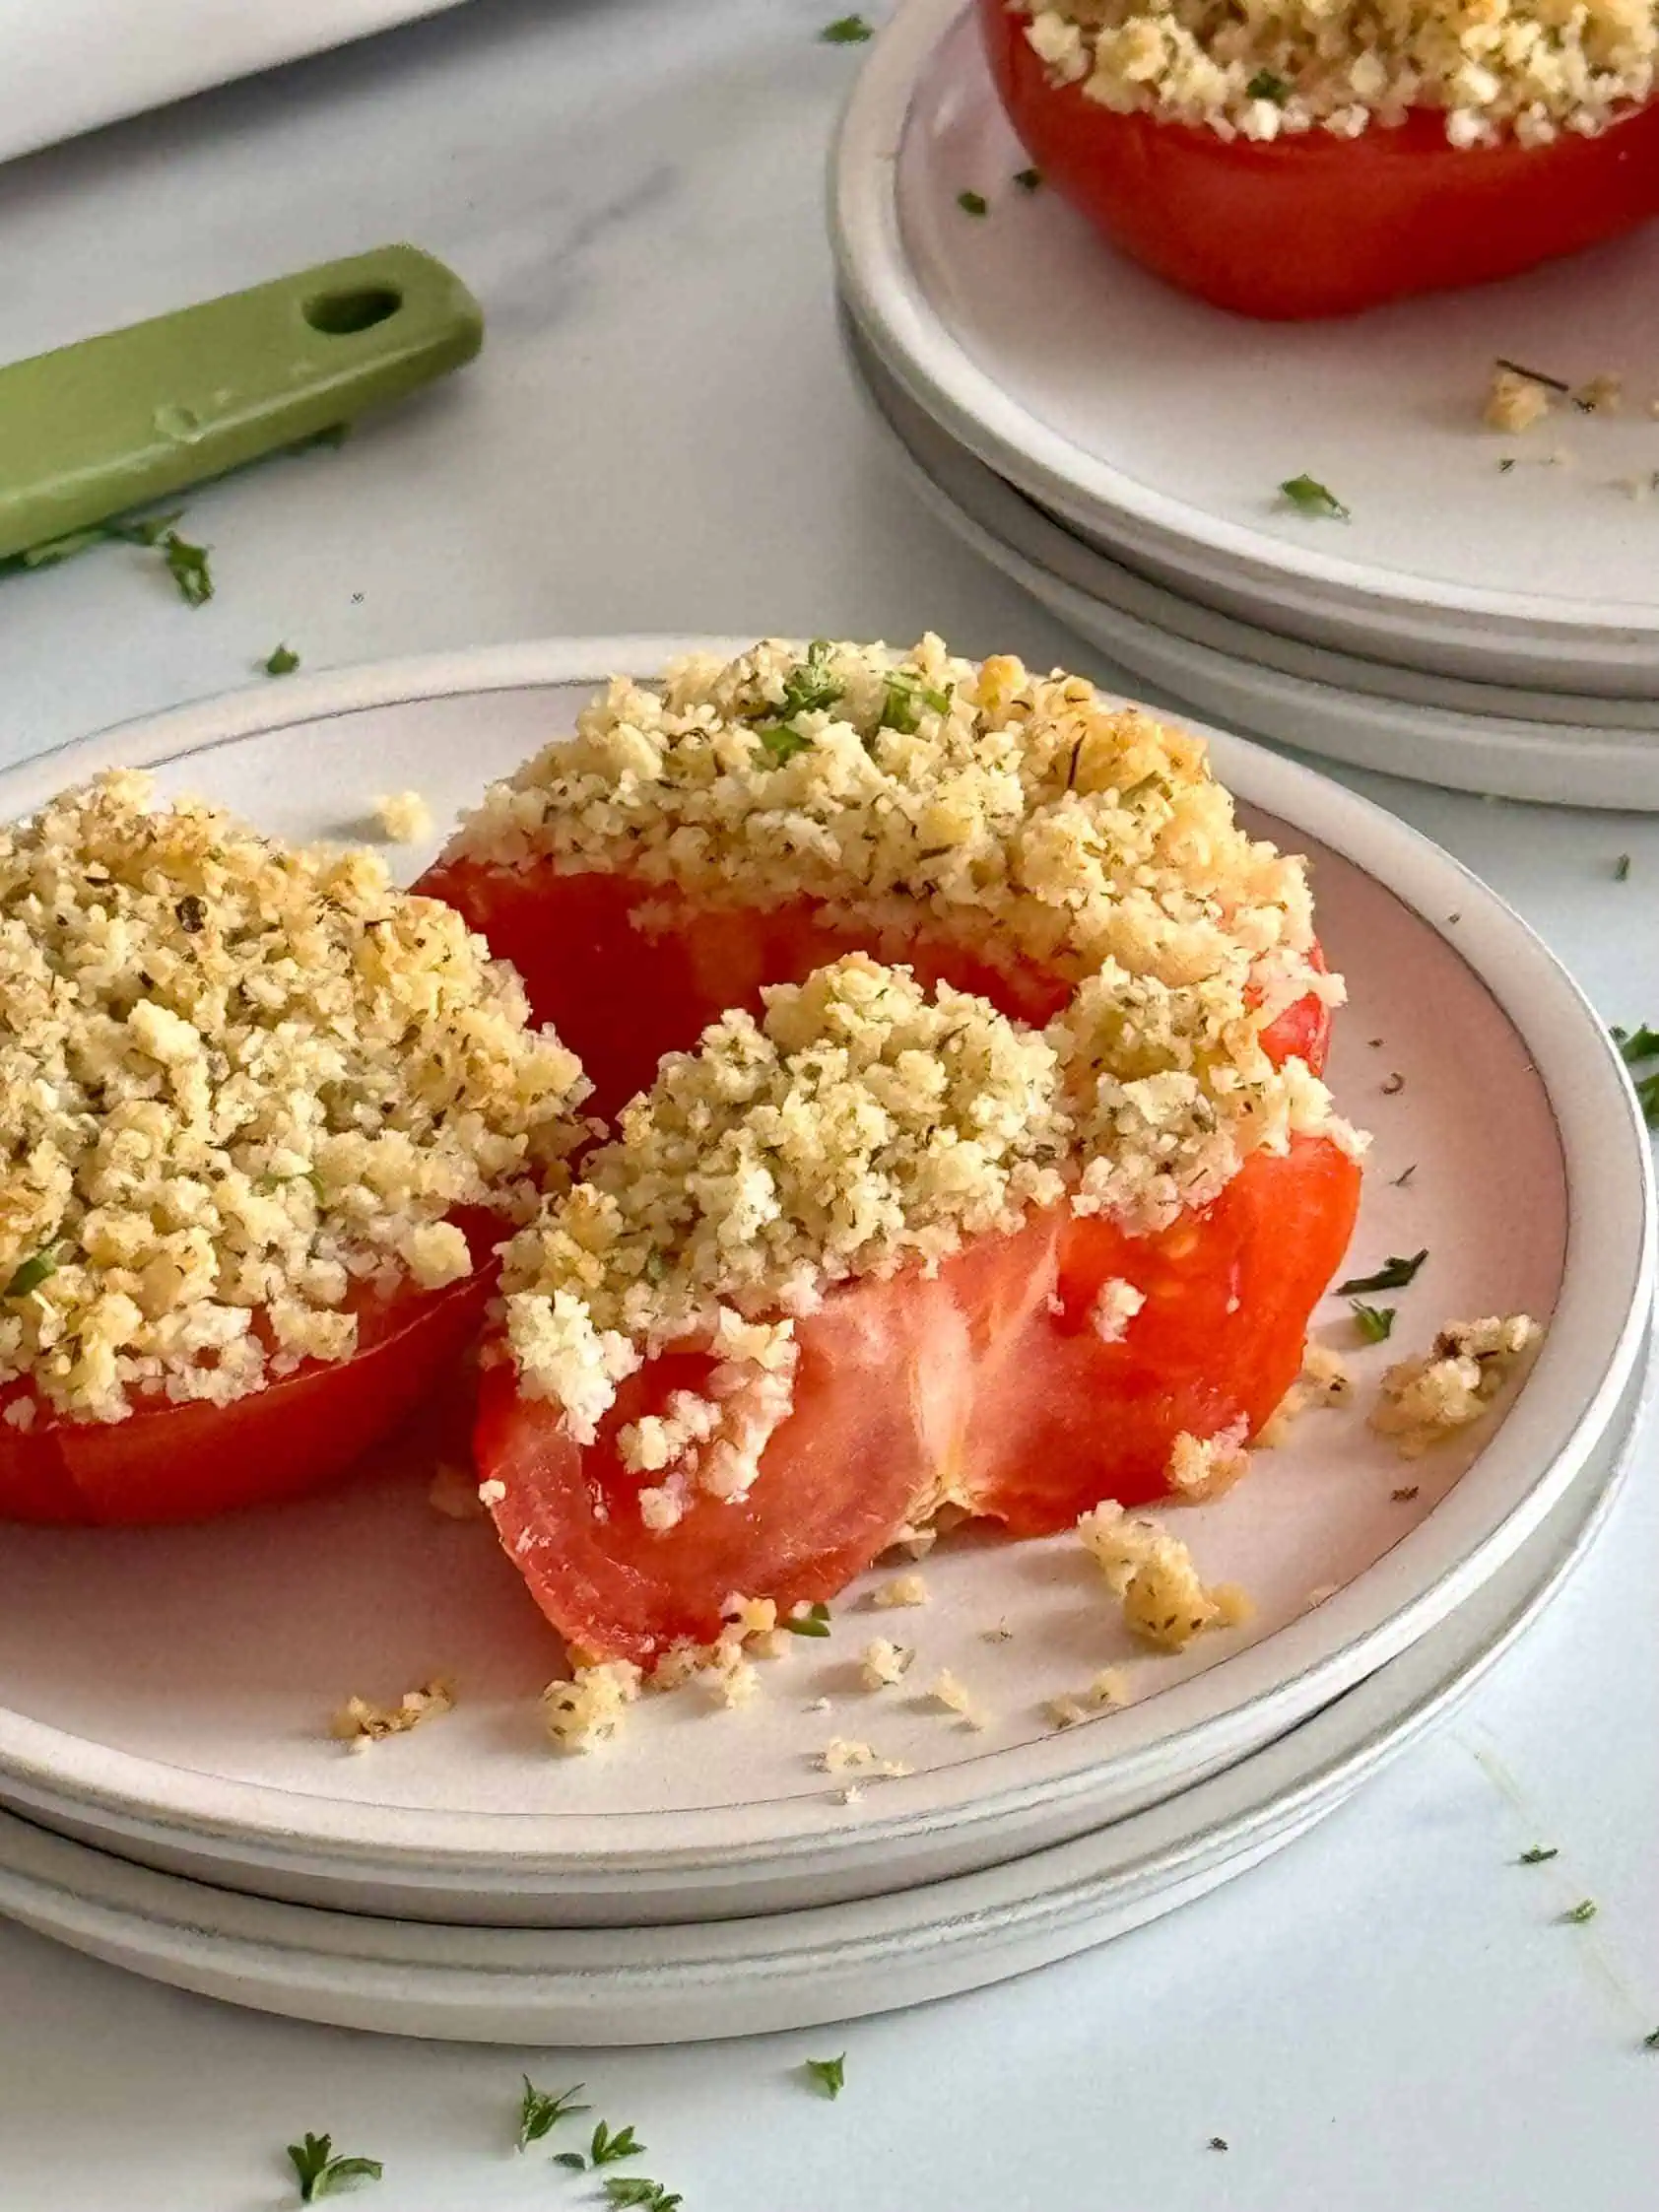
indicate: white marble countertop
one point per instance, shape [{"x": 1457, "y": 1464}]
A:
[{"x": 660, "y": 435}]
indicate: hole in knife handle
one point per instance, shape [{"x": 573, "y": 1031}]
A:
[{"x": 338, "y": 315}]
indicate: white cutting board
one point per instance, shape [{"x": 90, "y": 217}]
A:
[{"x": 73, "y": 64}]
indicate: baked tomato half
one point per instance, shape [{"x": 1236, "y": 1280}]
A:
[
  {"x": 1309, "y": 224},
  {"x": 627, "y": 971},
  {"x": 179, "y": 1462},
  {"x": 994, "y": 1387}
]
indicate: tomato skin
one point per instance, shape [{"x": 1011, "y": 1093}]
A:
[
  {"x": 985, "y": 1386},
  {"x": 1311, "y": 225},
  {"x": 620, "y": 995},
  {"x": 172, "y": 1463}
]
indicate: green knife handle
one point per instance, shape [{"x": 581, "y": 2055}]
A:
[{"x": 95, "y": 429}]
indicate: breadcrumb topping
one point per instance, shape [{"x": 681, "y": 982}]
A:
[
  {"x": 590, "y": 1708},
  {"x": 1021, "y": 813},
  {"x": 1206, "y": 1466},
  {"x": 1258, "y": 69},
  {"x": 241, "y": 1087},
  {"x": 1421, "y": 1401},
  {"x": 1166, "y": 1601},
  {"x": 843, "y": 1755},
  {"x": 1110, "y": 1687},
  {"x": 903, "y": 1589},
  {"x": 884, "y": 1663},
  {"x": 359, "y": 1722},
  {"x": 405, "y": 817}
]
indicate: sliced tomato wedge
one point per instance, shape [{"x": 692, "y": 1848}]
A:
[
  {"x": 627, "y": 971},
  {"x": 169, "y": 1462},
  {"x": 1312, "y": 225},
  {"x": 988, "y": 1388}
]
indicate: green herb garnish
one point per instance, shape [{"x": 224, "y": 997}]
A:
[
  {"x": 781, "y": 743},
  {"x": 649, "y": 2196},
  {"x": 974, "y": 203},
  {"x": 1264, "y": 84},
  {"x": 1506, "y": 464},
  {"x": 1404, "y": 1176},
  {"x": 571, "y": 2158},
  {"x": 1651, "y": 2041},
  {"x": 1392, "y": 1275},
  {"x": 539, "y": 2113},
  {"x": 1584, "y": 1909},
  {"x": 188, "y": 565},
  {"x": 1029, "y": 179},
  {"x": 1313, "y": 497},
  {"x": 812, "y": 685},
  {"x": 1621, "y": 868},
  {"x": 815, "y": 1621},
  {"x": 1375, "y": 1323},
  {"x": 829, "y": 2074},
  {"x": 320, "y": 2173},
  {"x": 33, "y": 1272},
  {"x": 1635, "y": 1048},
  {"x": 283, "y": 662},
  {"x": 1539, "y": 1854},
  {"x": 1218, "y": 2142},
  {"x": 606, "y": 2149},
  {"x": 1534, "y": 375},
  {"x": 846, "y": 30}
]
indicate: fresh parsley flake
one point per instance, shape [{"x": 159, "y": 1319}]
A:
[
  {"x": 1392, "y": 1275},
  {"x": 1405, "y": 1496},
  {"x": 1264, "y": 84},
  {"x": 1506, "y": 464},
  {"x": 846, "y": 30},
  {"x": 188, "y": 565},
  {"x": 1539, "y": 1854},
  {"x": 781, "y": 743},
  {"x": 319, "y": 2172},
  {"x": 815, "y": 1621},
  {"x": 1584, "y": 1909},
  {"x": 1313, "y": 497},
  {"x": 606, "y": 2149},
  {"x": 812, "y": 685},
  {"x": 148, "y": 530},
  {"x": 649, "y": 2196},
  {"x": 1029, "y": 179},
  {"x": 1375, "y": 1323},
  {"x": 1534, "y": 375},
  {"x": 1621, "y": 868},
  {"x": 1404, "y": 1176},
  {"x": 33, "y": 1272},
  {"x": 898, "y": 707},
  {"x": 829, "y": 2074},
  {"x": 1218, "y": 2142},
  {"x": 1637, "y": 1046},
  {"x": 571, "y": 2158},
  {"x": 283, "y": 662},
  {"x": 1651, "y": 2041},
  {"x": 974, "y": 203},
  {"x": 539, "y": 2113}
]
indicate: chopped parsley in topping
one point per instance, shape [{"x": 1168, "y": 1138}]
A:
[
  {"x": 1375, "y": 1323},
  {"x": 1264, "y": 84},
  {"x": 846, "y": 30},
  {"x": 1313, "y": 497},
  {"x": 1218, "y": 2142},
  {"x": 1506, "y": 464},
  {"x": 539, "y": 2113},
  {"x": 191, "y": 912},
  {"x": 812, "y": 685},
  {"x": 1621, "y": 868},
  {"x": 781, "y": 742},
  {"x": 1395, "y": 1084},
  {"x": 1404, "y": 1497},
  {"x": 1029, "y": 179},
  {"x": 606, "y": 2149},
  {"x": 815, "y": 1621},
  {"x": 319, "y": 2172},
  {"x": 633, "y": 2189},
  {"x": 1651, "y": 2041},
  {"x": 904, "y": 693},
  {"x": 1577, "y": 1915},
  {"x": 1537, "y": 1854},
  {"x": 974, "y": 203},
  {"x": 1392, "y": 1275},
  {"x": 188, "y": 565},
  {"x": 33, "y": 1272},
  {"x": 1404, "y": 1176},
  {"x": 1637, "y": 1048},
  {"x": 283, "y": 662},
  {"x": 1534, "y": 375},
  {"x": 829, "y": 2073}
]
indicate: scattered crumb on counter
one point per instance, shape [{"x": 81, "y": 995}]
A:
[
  {"x": 1424, "y": 1399},
  {"x": 404, "y": 816},
  {"x": 844, "y": 1755},
  {"x": 1514, "y": 402},
  {"x": 957, "y": 1698},
  {"x": 1001, "y": 1633},
  {"x": 903, "y": 1589},
  {"x": 1110, "y": 1688},
  {"x": 588, "y": 1710},
  {"x": 1602, "y": 395},
  {"x": 1166, "y": 1602},
  {"x": 359, "y": 1722}
]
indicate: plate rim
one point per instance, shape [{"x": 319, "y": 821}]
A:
[
  {"x": 1606, "y": 1291},
  {"x": 875, "y": 272}
]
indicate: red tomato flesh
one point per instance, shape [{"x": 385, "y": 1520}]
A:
[
  {"x": 970, "y": 1387},
  {"x": 170, "y": 1462},
  {"x": 1312, "y": 225},
  {"x": 627, "y": 971}
]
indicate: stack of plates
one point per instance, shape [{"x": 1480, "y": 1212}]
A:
[
  {"x": 171, "y": 1798},
  {"x": 1483, "y": 619}
]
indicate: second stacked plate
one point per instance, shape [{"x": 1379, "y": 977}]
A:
[{"x": 1116, "y": 446}]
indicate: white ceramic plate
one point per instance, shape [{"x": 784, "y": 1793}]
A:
[
  {"x": 170, "y": 1689},
  {"x": 791, "y": 1970},
  {"x": 1163, "y": 427},
  {"x": 1473, "y": 737}
]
